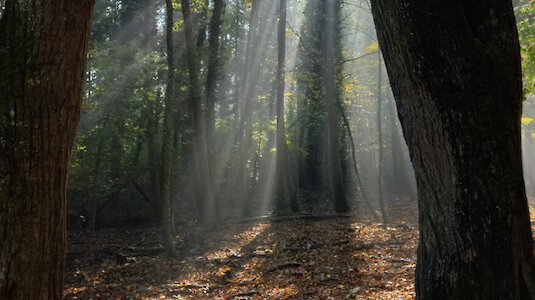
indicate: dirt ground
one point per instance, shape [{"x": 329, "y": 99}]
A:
[{"x": 318, "y": 258}]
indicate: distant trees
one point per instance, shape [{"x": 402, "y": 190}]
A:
[
  {"x": 524, "y": 11},
  {"x": 206, "y": 198},
  {"x": 43, "y": 49},
  {"x": 119, "y": 158},
  {"x": 119, "y": 142},
  {"x": 459, "y": 100},
  {"x": 318, "y": 90}
]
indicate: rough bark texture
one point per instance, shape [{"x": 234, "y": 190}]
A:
[
  {"x": 455, "y": 71},
  {"x": 336, "y": 180},
  {"x": 43, "y": 49}
]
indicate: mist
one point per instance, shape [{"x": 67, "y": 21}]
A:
[{"x": 200, "y": 115}]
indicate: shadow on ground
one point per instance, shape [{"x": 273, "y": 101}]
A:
[{"x": 327, "y": 258}]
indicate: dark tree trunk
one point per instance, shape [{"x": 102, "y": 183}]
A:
[
  {"x": 402, "y": 180},
  {"x": 283, "y": 194},
  {"x": 335, "y": 178},
  {"x": 205, "y": 193},
  {"x": 151, "y": 116},
  {"x": 166, "y": 203},
  {"x": 43, "y": 48},
  {"x": 455, "y": 71},
  {"x": 214, "y": 65},
  {"x": 213, "y": 69}
]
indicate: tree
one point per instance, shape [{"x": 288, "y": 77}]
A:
[
  {"x": 167, "y": 149},
  {"x": 42, "y": 59},
  {"x": 284, "y": 196},
  {"x": 318, "y": 90},
  {"x": 213, "y": 69},
  {"x": 459, "y": 101},
  {"x": 380, "y": 196},
  {"x": 204, "y": 188},
  {"x": 525, "y": 10},
  {"x": 335, "y": 177}
]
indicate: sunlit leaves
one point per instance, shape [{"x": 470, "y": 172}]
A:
[
  {"x": 526, "y": 120},
  {"x": 373, "y": 47}
]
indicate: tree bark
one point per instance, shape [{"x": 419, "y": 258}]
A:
[
  {"x": 167, "y": 145},
  {"x": 459, "y": 102},
  {"x": 43, "y": 48},
  {"x": 283, "y": 195},
  {"x": 205, "y": 192},
  {"x": 380, "y": 192},
  {"x": 336, "y": 181},
  {"x": 403, "y": 183},
  {"x": 151, "y": 116},
  {"x": 213, "y": 68}
]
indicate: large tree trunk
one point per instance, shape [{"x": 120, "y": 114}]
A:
[
  {"x": 335, "y": 178},
  {"x": 455, "y": 71},
  {"x": 43, "y": 49}
]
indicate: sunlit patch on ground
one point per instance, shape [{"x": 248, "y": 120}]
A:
[
  {"x": 302, "y": 259},
  {"x": 321, "y": 259}
]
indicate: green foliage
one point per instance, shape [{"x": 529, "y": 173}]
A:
[
  {"x": 308, "y": 98},
  {"x": 526, "y": 120},
  {"x": 525, "y": 14},
  {"x": 125, "y": 82}
]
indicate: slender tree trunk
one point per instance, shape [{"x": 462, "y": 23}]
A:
[
  {"x": 153, "y": 157},
  {"x": 202, "y": 21},
  {"x": 355, "y": 166},
  {"x": 213, "y": 69},
  {"x": 283, "y": 195},
  {"x": 238, "y": 64},
  {"x": 380, "y": 192},
  {"x": 251, "y": 72},
  {"x": 167, "y": 145},
  {"x": 43, "y": 48},
  {"x": 209, "y": 208},
  {"x": 336, "y": 181},
  {"x": 211, "y": 86},
  {"x": 94, "y": 201},
  {"x": 459, "y": 100}
]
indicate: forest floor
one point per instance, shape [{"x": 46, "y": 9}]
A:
[{"x": 321, "y": 258}]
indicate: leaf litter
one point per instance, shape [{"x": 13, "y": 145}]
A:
[{"x": 332, "y": 258}]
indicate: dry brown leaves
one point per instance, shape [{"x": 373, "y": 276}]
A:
[{"x": 322, "y": 259}]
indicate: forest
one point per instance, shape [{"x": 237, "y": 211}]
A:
[{"x": 267, "y": 149}]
